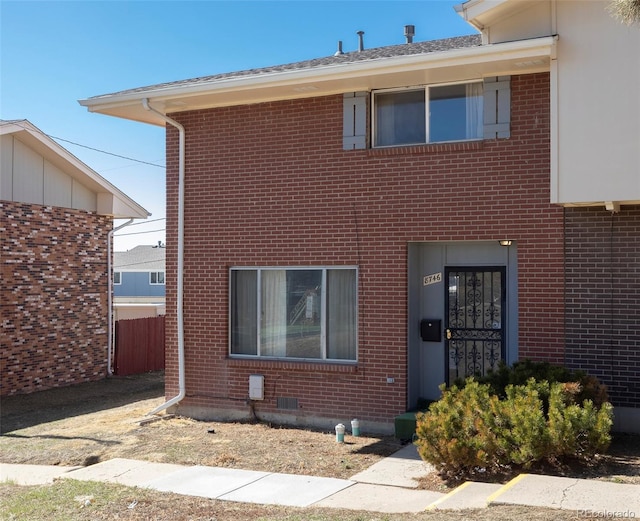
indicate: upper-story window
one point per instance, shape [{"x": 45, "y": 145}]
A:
[
  {"x": 431, "y": 114},
  {"x": 117, "y": 277},
  {"x": 156, "y": 277}
]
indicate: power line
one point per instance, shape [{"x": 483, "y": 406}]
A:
[
  {"x": 90, "y": 148},
  {"x": 140, "y": 233},
  {"x": 105, "y": 152}
]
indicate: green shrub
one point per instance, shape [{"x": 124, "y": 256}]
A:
[
  {"x": 577, "y": 430},
  {"x": 453, "y": 433},
  {"x": 472, "y": 429},
  {"x": 522, "y": 371}
]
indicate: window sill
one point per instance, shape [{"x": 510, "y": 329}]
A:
[
  {"x": 432, "y": 148},
  {"x": 306, "y": 366}
]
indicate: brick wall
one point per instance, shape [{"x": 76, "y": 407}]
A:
[
  {"x": 53, "y": 297},
  {"x": 603, "y": 303},
  {"x": 269, "y": 185}
]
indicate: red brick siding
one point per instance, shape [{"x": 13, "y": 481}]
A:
[
  {"x": 269, "y": 184},
  {"x": 53, "y": 297},
  {"x": 603, "y": 298}
]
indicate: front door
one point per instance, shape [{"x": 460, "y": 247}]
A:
[
  {"x": 475, "y": 307},
  {"x": 471, "y": 289}
]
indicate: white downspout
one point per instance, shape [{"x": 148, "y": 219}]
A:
[
  {"x": 180, "y": 315},
  {"x": 110, "y": 323}
]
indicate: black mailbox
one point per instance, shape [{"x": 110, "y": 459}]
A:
[{"x": 431, "y": 330}]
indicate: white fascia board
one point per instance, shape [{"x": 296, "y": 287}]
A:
[{"x": 325, "y": 80}]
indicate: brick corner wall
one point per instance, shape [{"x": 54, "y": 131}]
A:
[
  {"x": 53, "y": 297},
  {"x": 602, "y": 298}
]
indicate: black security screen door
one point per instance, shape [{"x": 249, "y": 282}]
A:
[{"x": 475, "y": 307}]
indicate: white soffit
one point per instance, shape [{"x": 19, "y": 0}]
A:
[
  {"x": 484, "y": 13},
  {"x": 519, "y": 57}
]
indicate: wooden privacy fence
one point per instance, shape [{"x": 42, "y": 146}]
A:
[{"x": 139, "y": 345}]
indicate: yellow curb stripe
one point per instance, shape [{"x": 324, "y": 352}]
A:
[
  {"x": 437, "y": 502},
  {"x": 504, "y": 488}
]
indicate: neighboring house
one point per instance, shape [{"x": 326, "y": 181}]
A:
[
  {"x": 138, "y": 282},
  {"x": 56, "y": 215},
  {"x": 361, "y": 228}
]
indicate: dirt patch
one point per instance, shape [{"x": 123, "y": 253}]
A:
[
  {"x": 94, "y": 422},
  {"x": 89, "y": 423}
]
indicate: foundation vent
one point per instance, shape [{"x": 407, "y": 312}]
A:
[{"x": 287, "y": 403}]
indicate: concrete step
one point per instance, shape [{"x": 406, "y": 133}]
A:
[{"x": 401, "y": 469}]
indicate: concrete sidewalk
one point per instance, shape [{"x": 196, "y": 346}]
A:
[{"x": 389, "y": 486}]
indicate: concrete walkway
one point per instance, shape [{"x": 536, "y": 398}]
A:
[{"x": 388, "y": 486}]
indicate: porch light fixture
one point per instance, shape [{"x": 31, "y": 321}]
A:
[{"x": 505, "y": 242}]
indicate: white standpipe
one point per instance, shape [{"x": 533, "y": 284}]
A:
[
  {"x": 179, "y": 311},
  {"x": 110, "y": 323}
]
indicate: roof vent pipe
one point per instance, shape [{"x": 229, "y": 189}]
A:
[
  {"x": 360, "y": 41},
  {"x": 409, "y": 32},
  {"x": 339, "y": 51}
]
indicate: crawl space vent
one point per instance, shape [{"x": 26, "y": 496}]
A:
[{"x": 287, "y": 403}]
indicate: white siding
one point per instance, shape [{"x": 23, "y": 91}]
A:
[
  {"x": 6, "y": 168},
  {"x": 598, "y": 100},
  {"x": 57, "y": 186},
  {"x": 595, "y": 97},
  {"x": 28, "y": 174},
  {"x": 26, "y": 177},
  {"x": 83, "y": 198}
]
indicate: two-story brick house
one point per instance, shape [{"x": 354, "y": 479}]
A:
[{"x": 358, "y": 229}]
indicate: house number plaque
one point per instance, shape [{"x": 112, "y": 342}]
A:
[{"x": 432, "y": 279}]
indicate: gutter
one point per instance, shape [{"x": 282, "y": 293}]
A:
[
  {"x": 250, "y": 88},
  {"x": 179, "y": 311},
  {"x": 110, "y": 323}
]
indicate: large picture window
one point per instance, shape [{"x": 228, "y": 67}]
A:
[
  {"x": 432, "y": 114},
  {"x": 304, "y": 313}
]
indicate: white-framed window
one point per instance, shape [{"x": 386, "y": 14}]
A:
[
  {"x": 293, "y": 312},
  {"x": 428, "y": 114},
  {"x": 156, "y": 277},
  {"x": 117, "y": 278}
]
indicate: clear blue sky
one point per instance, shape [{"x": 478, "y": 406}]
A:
[{"x": 54, "y": 53}]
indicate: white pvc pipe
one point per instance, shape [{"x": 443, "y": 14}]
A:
[
  {"x": 180, "y": 313},
  {"x": 110, "y": 323}
]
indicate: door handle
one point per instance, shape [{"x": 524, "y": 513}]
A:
[{"x": 448, "y": 334}]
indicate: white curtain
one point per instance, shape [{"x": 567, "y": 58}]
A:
[
  {"x": 274, "y": 313},
  {"x": 341, "y": 311},
  {"x": 474, "y": 110}
]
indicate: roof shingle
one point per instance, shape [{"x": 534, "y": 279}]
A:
[{"x": 391, "y": 51}]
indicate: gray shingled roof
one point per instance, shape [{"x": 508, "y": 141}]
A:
[
  {"x": 379, "y": 53},
  {"x": 140, "y": 258}
]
